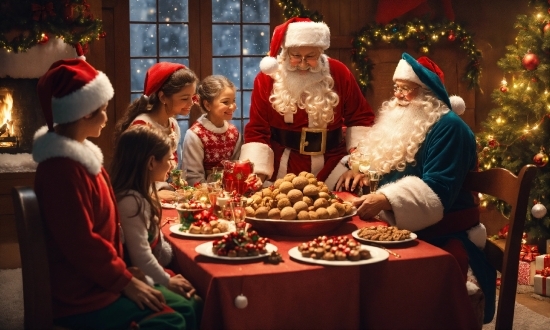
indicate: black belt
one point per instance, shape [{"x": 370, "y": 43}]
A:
[{"x": 309, "y": 141}]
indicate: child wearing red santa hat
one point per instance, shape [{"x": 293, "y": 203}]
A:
[
  {"x": 168, "y": 91},
  {"x": 91, "y": 286}
]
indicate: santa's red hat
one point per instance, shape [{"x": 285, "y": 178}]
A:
[
  {"x": 157, "y": 75},
  {"x": 72, "y": 89},
  {"x": 296, "y": 32},
  {"x": 428, "y": 75}
]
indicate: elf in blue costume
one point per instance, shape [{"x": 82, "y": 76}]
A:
[{"x": 423, "y": 150}]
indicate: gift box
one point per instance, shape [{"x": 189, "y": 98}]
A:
[
  {"x": 542, "y": 261},
  {"x": 526, "y": 272},
  {"x": 542, "y": 282}
]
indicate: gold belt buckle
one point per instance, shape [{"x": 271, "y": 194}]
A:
[{"x": 304, "y": 143}]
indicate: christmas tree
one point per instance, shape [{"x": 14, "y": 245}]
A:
[{"x": 517, "y": 131}]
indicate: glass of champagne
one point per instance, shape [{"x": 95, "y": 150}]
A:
[{"x": 374, "y": 179}]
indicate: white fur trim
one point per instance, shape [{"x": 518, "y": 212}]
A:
[
  {"x": 414, "y": 204},
  {"x": 211, "y": 127},
  {"x": 478, "y": 235},
  {"x": 472, "y": 288},
  {"x": 261, "y": 155},
  {"x": 315, "y": 34},
  {"x": 404, "y": 71},
  {"x": 458, "y": 104},
  {"x": 84, "y": 101},
  {"x": 317, "y": 164},
  {"x": 333, "y": 177},
  {"x": 50, "y": 145},
  {"x": 354, "y": 135},
  {"x": 269, "y": 65},
  {"x": 283, "y": 164},
  {"x": 35, "y": 61}
]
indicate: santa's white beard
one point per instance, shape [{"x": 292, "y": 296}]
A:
[
  {"x": 296, "y": 82},
  {"x": 397, "y": 134}
]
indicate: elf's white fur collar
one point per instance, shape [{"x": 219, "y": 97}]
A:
[
  {"x": 50, "y": 145},
  {"x": 211, "y": 127}
]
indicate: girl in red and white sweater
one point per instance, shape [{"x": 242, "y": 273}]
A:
[{"x": 212, "y": 138}]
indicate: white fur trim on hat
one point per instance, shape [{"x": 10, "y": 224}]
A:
[
  {"x": 404, "y": 71},
  {"x": 50, "y": 145},
  {"x": 316, "y": 34},
  {"x": 414, "y": 204},
  {"x": 269, "y": 65},
  {"x": 261, "y": 155},
  {"x": 457, "y": 104},
  {"x": 84, "y": 101}
]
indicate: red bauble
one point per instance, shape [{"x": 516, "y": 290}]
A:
[
  {"x": 44, "y": 39},
  {"x": 452, "y": 36},
  {"x": 530, "y": 61},
  {"x": 504, "y": 89},
  {"x": 546, "y": 28},
  {"x": 492, "y": 143},
  {"x": 540, "y": 159}
]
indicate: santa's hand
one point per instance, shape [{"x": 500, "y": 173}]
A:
[
  {"x": 349, "y": 181},
  {"x": 370, "y": 205},
  {"x": 253, "y": 182}
]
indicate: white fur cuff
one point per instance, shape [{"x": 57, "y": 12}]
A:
[
  {"x": 354, "y": 135},
  {"x": 333, "y": 177},
  {"x": 414, "y": 204},
  {"x": 261, "y": 155}
]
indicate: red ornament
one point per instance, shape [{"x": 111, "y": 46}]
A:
[
  {"x": 540, "y": 159},
  {"x": 530, "y": 61},
  {"x": 44, "y": 39},
  {"x": 451, "y": 36},
  {"x": 504, "y": 89},
  {"x": 103, "y": 34},
  {"x": 546, "y": 28},
  {"x": 493, "y": 143}
]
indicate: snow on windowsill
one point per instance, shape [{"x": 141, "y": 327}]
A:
[{"x": 10, "y": 163}]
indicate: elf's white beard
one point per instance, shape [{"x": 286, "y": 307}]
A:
[
  {"x": 311, "y": 91},
  {"x": 399, "y": 131}
]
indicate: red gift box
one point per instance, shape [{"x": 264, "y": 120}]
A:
[
  {"x": 542, "y": 261},
  {"x": 542, "y": 282},
  {"x": 526, "y": 273}
]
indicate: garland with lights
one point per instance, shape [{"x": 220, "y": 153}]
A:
[
  {"x": 295, "y": 8},
  {"x": 26, "y": 23},
  {"x": 422, "y": 35}
]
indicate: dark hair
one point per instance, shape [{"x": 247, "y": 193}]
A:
[
  {"x": 129, "y": 169},
  {"x": 210, "y": 87},
  {"x": 177, "y": 80}
]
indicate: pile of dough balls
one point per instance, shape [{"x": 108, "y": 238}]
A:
[{"x": 296, "y": 197}]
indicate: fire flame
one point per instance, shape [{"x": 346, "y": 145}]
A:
[{"x": 6, "y": 122}]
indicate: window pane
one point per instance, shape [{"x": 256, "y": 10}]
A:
[
  {"x": 143, "y": 10},
  {"x": 181, "y": 60},
  {"x": 255, "y": 39},
  {"x": 228, "y": 11},
  {"x": 238, "y": 112},
  {"x": 256, "y": 11},
  {"x": 246, "y": 104},
  {"x": 238, "y": 124},
  {"x": 226, "y": 40},
  {"x": 173, "y": 11},
  {"x": 251, "y": 67},
  {"x": 174, "y": 40},
  {"x": 138, "y": 68},
  {"x": 229, "y": 67},
  {"x": 143, "y": 40}
]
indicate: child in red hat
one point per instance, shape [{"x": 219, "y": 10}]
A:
[
  {"x": 91, "y": 286},
  {"x": 168, "y": 91}
]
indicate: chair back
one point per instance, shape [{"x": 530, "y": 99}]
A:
[
  {"x": 34, "y": 259},
  {"x": 514, "y": 190}
]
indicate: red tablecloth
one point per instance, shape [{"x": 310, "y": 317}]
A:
[{"x": 421, "y": 290}]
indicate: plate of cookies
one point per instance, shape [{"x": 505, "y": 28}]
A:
[
  {"x": 204, "y": 229},
  {"x": 337, "y": 251},
  {"x": 383, "y": 235}
]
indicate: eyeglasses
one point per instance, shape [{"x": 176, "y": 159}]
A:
[
  {"x": 296, "y": 59},
  {"x": 403, "y": 90}
]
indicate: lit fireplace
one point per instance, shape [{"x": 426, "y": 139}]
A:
[{"x": 7, "y": 138}]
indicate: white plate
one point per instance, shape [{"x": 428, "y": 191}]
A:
[
  {"x": 377, "y": 255},
  {"x": 176, "y": 230},
  {"x": 205, "y": 249},
  {"x": 168, "y": 205},
  {"x": 359, "y": 238}
]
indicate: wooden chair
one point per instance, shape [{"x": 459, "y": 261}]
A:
[
  {"x": 34, "y": 260},
  {"x": 504, "y": 254}
]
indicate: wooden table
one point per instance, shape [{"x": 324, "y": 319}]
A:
[{"x": 421, "y": 290}]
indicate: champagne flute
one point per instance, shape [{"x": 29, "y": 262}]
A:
[{"x": 374, "y": 179}]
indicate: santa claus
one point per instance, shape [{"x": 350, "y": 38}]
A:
[
  {"x": 306, "y": 110},
  {"x": 423, "y": 151}
]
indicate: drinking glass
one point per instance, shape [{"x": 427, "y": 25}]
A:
[
  {"x": 236, "y": 211},
  {"x": 374, "y": 179}
]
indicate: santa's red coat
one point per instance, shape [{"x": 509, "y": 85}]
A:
[{"x": 352, "y": 112}]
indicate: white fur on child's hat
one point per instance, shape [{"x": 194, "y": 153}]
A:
[
  {"x": 296, "y": 32},
  {"x": 72, "y": 89}
]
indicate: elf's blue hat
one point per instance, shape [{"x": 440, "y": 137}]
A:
[{"x": 428, "y": 75}]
